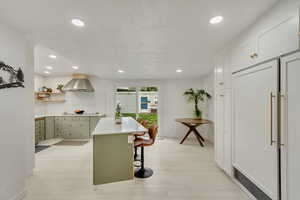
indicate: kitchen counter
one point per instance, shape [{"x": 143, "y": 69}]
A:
[
  {"x": 113, "y": 150},
  {"x": 69, "y": 115},
  {"x": 108, "y": 126}
]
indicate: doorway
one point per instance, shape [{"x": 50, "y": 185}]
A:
[{"x": 139, "y": 102}]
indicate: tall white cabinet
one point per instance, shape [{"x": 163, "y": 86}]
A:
[
  {"x": 255, "y": 126},
  {"x": 290, "y": 126}
]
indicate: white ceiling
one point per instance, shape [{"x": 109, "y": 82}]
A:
[{"x": 145, "y": 38}]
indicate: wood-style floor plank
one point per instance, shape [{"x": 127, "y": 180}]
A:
[{"x": 181, "y": 172}]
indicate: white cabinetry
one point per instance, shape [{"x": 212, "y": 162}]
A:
[
  {"x": 242, "y": 54},
  {"x": 255, "y": 129},
  {"x": 276, "y": 38},
  {"x": 290, "y": 128},
  {"x": 223, "y": 113}
]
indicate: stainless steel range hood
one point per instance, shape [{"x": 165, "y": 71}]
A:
[{"x": 79, "y": 83}]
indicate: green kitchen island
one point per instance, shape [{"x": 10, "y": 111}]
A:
[{"x": 113, "y": 150}]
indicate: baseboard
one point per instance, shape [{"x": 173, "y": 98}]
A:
[
  {"x": 19, "y": 196},
  {"x": 247, "y": 193}
]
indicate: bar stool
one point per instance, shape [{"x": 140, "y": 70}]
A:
[
  {"x": 144, "y": 172},
  {"x": 145, "y": 124}
]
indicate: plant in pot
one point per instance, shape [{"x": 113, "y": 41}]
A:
[
  {"x": 118, "y": 114},
  {"x": 195, "y": 96},
  {"x": 60, "y": 88}
]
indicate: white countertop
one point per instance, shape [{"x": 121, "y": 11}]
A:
[
  {"x": 70, "y": 115},
  {"x": 108, "y": 126}
]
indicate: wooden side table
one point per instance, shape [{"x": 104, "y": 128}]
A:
[{"x": 193, "y": 123}]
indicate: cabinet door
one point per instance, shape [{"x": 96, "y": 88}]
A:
[
  {"x": 279, "y": 39},
  {"x": 227, "y": 140},
  {"x": 83, "y": 130},
  {"x": 42, "y": 133},
  {"x": 290, "y": 128},
  {"x": 242, "y": 55},
  {"x": 37, "y": 131},
  {"x": 219, "y": 129},
  {"x": 58, "y": 126},
  {"x": 49, "y": 123},
  {"x": 255, "y": 128}
]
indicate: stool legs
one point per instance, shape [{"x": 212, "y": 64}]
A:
[
  {"x": 135, "y": 153},
  {"x": 143, "y": 172}
]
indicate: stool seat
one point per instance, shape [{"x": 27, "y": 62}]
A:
[{"x": 140, "y": 142}]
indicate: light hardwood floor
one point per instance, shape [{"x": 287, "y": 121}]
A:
[{"x": 180, "y": 172}]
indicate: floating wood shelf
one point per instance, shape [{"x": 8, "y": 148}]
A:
[
  {"x": 47, "y": 97},
  {"x": 51, "y": 100},
  {"x": 49, "y": 93}
]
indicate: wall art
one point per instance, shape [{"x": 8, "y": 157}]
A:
[{"x": 9, "y": 77}]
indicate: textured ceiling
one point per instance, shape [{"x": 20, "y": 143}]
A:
[{"x": 147, "y": 39}]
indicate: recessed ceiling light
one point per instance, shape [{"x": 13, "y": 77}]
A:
[
  {"x": 120, "y": 71},
  {"x": 46, "y": 72},
  {"x": 52, "y": 56},
  {"x": 216, "y": 20},
  {"x": 77, "y": 22},
  {"x": 49, "y": 67},
  {"x": 179, "y": 70},
  {"x": 75, "y": 67}
]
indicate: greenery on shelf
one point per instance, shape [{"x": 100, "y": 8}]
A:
[{"x": 195, "y": 96}]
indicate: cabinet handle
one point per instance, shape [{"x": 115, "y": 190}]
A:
[
  {"x": 221, "y": 83},
  {"x": 222, "y": 95},
  {"x": 271, "y": 124},
  {"x": 282, "y": 113},
  {"x": 254, "y": 55}
]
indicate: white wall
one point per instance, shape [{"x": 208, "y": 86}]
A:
[
  {"x": 16, "y": 118},
  {"x": 208, "y": 85},
  {"x": 172, "y": 103},
  {"x": 39, "y": 108}
]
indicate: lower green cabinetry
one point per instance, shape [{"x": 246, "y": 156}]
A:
[
  {"x": 49, "y": 127},
  {"x": 66, "y": 127},
  {"x": 39, "y": 130}
]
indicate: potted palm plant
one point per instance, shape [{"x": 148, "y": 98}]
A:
[{"x": 195, "y": 96}]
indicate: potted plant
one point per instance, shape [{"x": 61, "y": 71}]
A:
[
  {"x": 60, "y": 88},
  {"x": 118, "y": 114},
  {"x": 196, "y": 96}
]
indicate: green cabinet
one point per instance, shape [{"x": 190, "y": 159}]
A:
[
  {"x": 66, "y": 127},
  {"x": 49, "y": 128},
  {"x": 72, "y": 127},
  {"x": 39, "y": 130},
  {"x": 58, "y": 127},
  {"x": 112, "y": 158}
]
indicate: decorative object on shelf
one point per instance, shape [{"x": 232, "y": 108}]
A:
[
  {"x": 60, "y": 88},
  {"x": 45, "y": 94},
  {"x": 118, "y": 114},
  {"x": 79, "y": 112},
  {"x": 196, "y": 96},
  {"x": 9, "y": 77}
]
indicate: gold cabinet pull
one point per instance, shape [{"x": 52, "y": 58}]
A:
[{"x": 271, "y": 124}]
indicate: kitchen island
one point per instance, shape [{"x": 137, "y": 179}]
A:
[{"x": 113, "y": 150}]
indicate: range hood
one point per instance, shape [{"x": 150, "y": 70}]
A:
[{"x": 79, "y": 83}]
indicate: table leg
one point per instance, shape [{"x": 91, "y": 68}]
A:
[
  {"x": 186, "y": 136},
  {"x": 199, "y": 140},
  {"x": 198, "y": 134}
]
